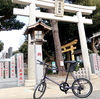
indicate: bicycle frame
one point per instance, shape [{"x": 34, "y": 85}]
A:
[
  {"x": 45, "y": 77},
  {"x": 77, "y": 86}
]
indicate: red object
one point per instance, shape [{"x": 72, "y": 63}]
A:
[{"x": 39, "y": 54}]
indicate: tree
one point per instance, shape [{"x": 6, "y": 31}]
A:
[
  {"x": 24, "y": 49},
  {"x": 1, "y": 46},
  {"x": 57, "y": 44},
  {"x": 9, "y": 20},
  {"x": 15, "y": 52}
]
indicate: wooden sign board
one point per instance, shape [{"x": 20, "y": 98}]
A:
[{"x": 59, "y": 8}]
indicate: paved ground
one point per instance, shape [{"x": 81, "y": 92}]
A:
[
  {"x": 52, "y": 92},
  {"x": 94, "y": 95}
]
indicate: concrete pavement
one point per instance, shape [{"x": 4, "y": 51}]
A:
[
  {"x": 52, "y": 92},
  {"x": 94, "y": 95}
]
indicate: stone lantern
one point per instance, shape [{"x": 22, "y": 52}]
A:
[{"x": 37, "y": 32}]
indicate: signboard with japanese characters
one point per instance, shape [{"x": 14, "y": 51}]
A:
[
  {"x": 94, "y": 63},
  {"x": 12, "y": 67},
  {"x": 20, "y": 69},
  {"x": 99, "y": 65},
  {"x": 38, "y": 67},
  {"x": 6, "y": 69},
  {"x": 1, "y": 70},
  {"x": 59, "y": 8}
]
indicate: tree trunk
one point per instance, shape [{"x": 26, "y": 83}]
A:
[
  {"x": 50, "y": 57},
  {"x": 93, "y": 46},
  {"x": 68, "y": 59},
  {"x": 59, "y": 58}
]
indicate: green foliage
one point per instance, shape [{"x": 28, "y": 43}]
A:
[
  {"x": 15, "y": 52},
  {"x": 95, "y": 16},
  {"x": 79, "y": 65},
  {"x": 24, "y": 49},
  {"x": 9, "y": 20},
  {"x": 1, "y": 46},
  {"x": 48, "y": 46},
  {"x": 49, "y": 71},
  {"x": 90, "y": 51},
  {"x": 67, "y": 32}
]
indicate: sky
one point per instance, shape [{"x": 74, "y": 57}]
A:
[{"x": 14, "y": 38}]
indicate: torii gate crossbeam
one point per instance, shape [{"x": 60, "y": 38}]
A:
[
  {"x": 73, "y": 8},
  {"x": 43, "y": 15}
]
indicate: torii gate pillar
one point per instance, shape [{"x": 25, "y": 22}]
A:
[
  {"x": 32, "y": 20},
  {"x": 83, "y": 42},
  {"x": 31, "y": 54}
]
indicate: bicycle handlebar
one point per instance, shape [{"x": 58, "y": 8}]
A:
[{"x": 43, "y": 63}]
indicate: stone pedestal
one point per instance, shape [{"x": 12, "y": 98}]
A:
[
  {"x": 29, "y": 83},
  {"x": 93, "y": 76}
]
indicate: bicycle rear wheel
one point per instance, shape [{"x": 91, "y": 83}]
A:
[
  {"x": 39, "y": 90},
  {"x": 82, "y": 88}
]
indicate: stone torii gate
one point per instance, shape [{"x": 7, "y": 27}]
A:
[{"x": 65, "y": 7}]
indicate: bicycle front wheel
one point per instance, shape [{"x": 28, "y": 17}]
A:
[
  {"x": 39, "y": 90},
  {"x": 82, "y": 88}
]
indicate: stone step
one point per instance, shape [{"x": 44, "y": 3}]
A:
[
  {"x": 29, "y": 83},
  {"x": 94, "y": 76}
]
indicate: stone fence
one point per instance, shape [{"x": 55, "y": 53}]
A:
[{"x": 12, "y": 71}]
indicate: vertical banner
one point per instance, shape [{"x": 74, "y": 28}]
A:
[
  {"x": 98, "y": 65},
  {"x": 20, "y": 69},
  {"x": 1, "y": 70},
  {"x": 12, "y": 67},
  {"x": 6, "y": 69},
  {"x": 38, "y": 67},
  {"x": 94, "y": 63}
]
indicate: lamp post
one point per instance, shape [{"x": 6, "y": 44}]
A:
[{"x": 37, "y": 32}]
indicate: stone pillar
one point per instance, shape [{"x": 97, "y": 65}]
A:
[
  {"x": 38, "y": 68},
  {"x": 31, "y": 64},
  {"x": 31, "y": 60},
  {"x": 9, "y": 52},
  {"x": 83, "y": 41}
]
